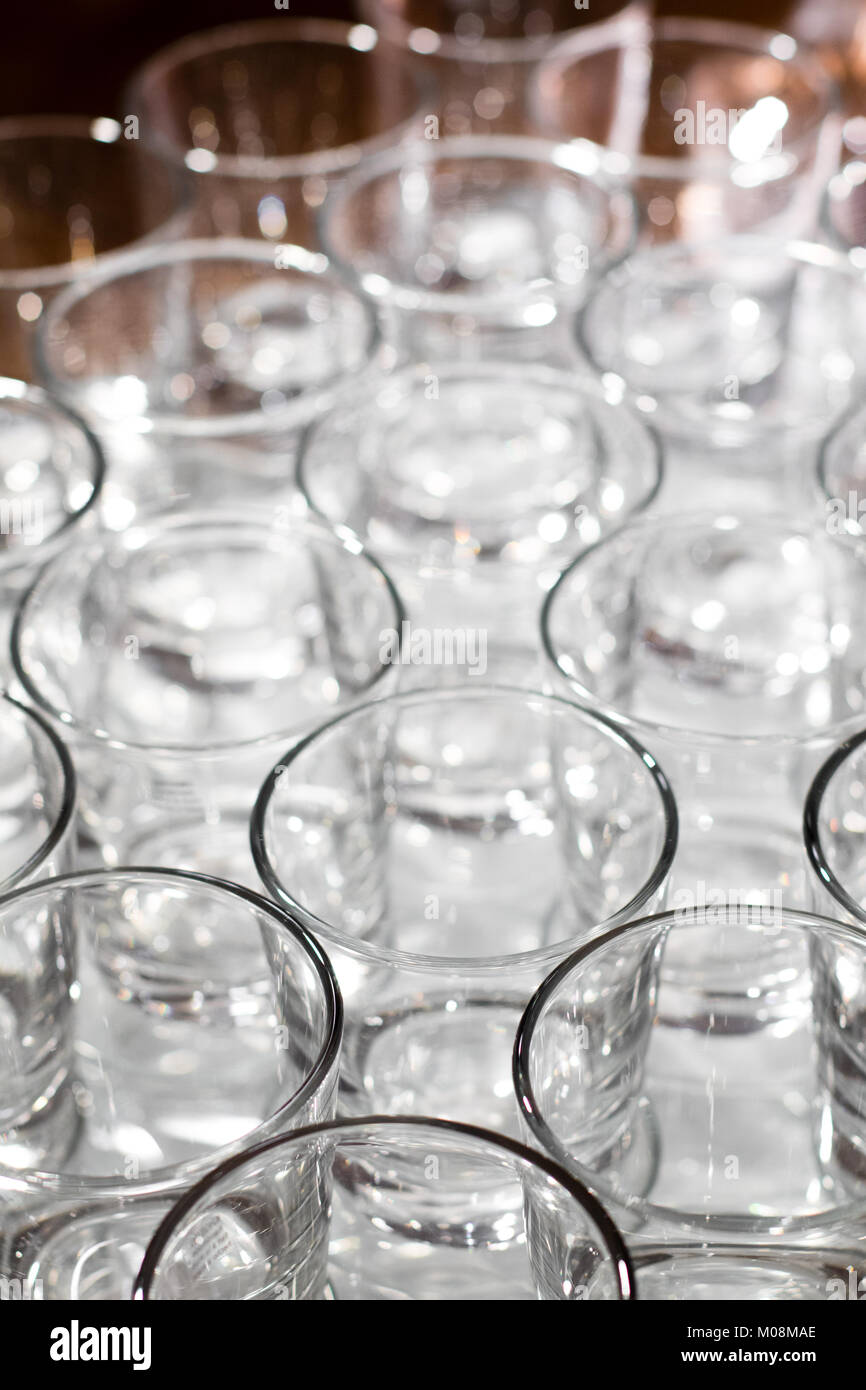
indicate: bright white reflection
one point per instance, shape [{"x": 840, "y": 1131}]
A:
[{"x": 758, "y": 130}]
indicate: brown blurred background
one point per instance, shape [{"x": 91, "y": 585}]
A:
[{"x": 75, "y": 55}]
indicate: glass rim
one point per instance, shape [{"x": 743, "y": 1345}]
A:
[
  {"x": 412, "y": 374},
  {"x": 470, "y": 966},
  {"x": 158, "y": 525},
  {"x": 126, "y": 265},
  {"x": 169, "y": 1177},
  {"x": 526, "y": 49},
  {"x": 82, "y": 128},
  {"x": 27, "y": 393},
  {"x": 631, "y": 1203},
  {"x": 65, "y": 814},
  {"x": 817, "y": 255},
  {"x": 686, "y": 523},
  {"x": 615, "y": 1247},
  {"x": 303, "y": 29},
  {"x": 580, "y": 160},
  {"x": 718, "y": 35},
  {"x": 815, "y": 851}
]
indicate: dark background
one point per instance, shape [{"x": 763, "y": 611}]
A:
[{"x": 75, "y": 55}]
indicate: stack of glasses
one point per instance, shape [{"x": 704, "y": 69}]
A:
[{"x": 432, "y": 481}]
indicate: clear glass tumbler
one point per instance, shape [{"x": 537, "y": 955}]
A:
[
  {"x": 138, "y": 1061},
  {"x": 843, "y": 211},
  {"x": 477, "y": 244},
  {"x": 482, "y": 57},
  {"x": 449, "y": 846},
  {"x": 841, "y": 475},
  {"x": 717, "y": 127},
  {"x": 712, "y": 1116},
  {"x": 735, "y": 651},
  {"x": 72, "y": 192},
  {"x": 51, "y": 476},
  {"x": 267, "y": 114},
  {"x": 475, "y": 484},
  {"x": 198, "y": 363},
  {"x": 743, "y": 353},
  {"x": 37, "y": 803},
  {"x": 387, "y": 1209},
  {"x": 181, "y": 657},
  {"x": 834, "y": 826}
]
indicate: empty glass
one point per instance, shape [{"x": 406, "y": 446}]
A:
[
  {"x": 72, "y": 190},
  {"x": 198, "y": 363},
  {"x": 267, "y": 114},
  {"x": 181, "y": 657},
  {"x": 51, "y": 476},
  {"x": 743, "y": 353},
  {"x": 834, "y": 825},
  {"x": 477, "y": 244},
  {"x": 481, "y": 58},
  {"x": 712, "y": 1114},
  {"x": 843, "y": 211},
  {"x": 717, "y": 127},
  {"x": 386, "y": 1209},
  {"x": 735, "y": 651},
  {"x": 475, "y": 484},
  {"x": 449, "y": 846},
  {"x": 841, "y": 474},
  {"x": 37, "y": 804},
  {"x": 135, "y": 1061}
]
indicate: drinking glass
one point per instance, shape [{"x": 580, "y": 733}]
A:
[
  {"x": 709, "y": 1114},
  {"x": 834, "y": 825},
  {"x": 743, "y": 353},
  {"x": 51, "y": 476},
  {"x": 72, "y": 192},
  {"x": 197, "y": 364},
  {"x": 475, "y": 484},
  {"x": 843, "y": 211},
  {"x": 481, "y": 58},
  {"x": 734, "y": 649},
  {"x": 478, "y": 243},
  {"x": 37, "y": 803},
  {"x": 841, "y": 474},
  {"x": 181, "y": 656},
  {"x": 138, "y": 1061},
  {"x": 381, "y": 1209},
  {"x": 717, "y": 127},
  {"x": 449, "y": 846},
  {"x": 266, "y": 115}
]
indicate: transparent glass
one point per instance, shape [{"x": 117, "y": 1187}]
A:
[
  {"x": 734, "y": 650},
  {"x": 51, "y": 476},
  {"x": 37, "y": 801},
  {"x": 198, "y": 363},
  {"x": 475, "y": 484},
  {"x": 449, "y": 846},
  {"x": 743, "y": 353},
  {"x": 72, "y": 192},
  {"x": 477, "y": 244},
  {"x": 267, "y": 114},
  {"x": 181, "y": 657},
  {"x": 136, "y": 1060},
  {"x": 843, "y": 211},
  {"x": 717, "y": 127},
  {"x": 714, "y": 1115},
  {"x": 482, "y": 58},
  {"x": 387, "y": 1209},
  {"x": 841, "y": 474},
  {"x": 834, "y": 826}
]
